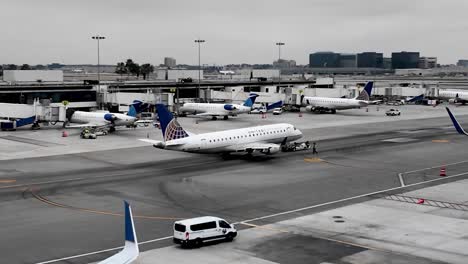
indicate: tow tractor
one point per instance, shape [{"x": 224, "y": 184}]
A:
[
  {"x": 88, "y": 134},
  {"x": 295, "y": 146}
]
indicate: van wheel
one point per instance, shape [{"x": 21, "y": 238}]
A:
[
  {"x": 198, "y": 243},
  {"x": 229, "y": 237}
]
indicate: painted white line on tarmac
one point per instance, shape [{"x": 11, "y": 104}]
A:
[
  {"x": 102, "y": 251},
  {"x": 400, "y": 176},
  {"x": 271, "y": 215}
]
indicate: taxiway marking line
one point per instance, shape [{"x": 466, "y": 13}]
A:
[
  {"x": 435, "y": 167},
  {"x": 440, "y": 141},
  {"x": 272, "y": 215},
  {"x": 47, "y": 201},
  {"x": 102, "y": 251},
  {"x": 7, "y": 181}
]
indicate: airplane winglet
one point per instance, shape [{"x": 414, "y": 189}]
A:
[
  {"x": 129, "y": 226},
  {"x": 456, "y": 124},
  {"x": 130, "y": 251}
]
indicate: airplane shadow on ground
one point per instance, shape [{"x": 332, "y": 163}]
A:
[{"x": 247, "y": 157}]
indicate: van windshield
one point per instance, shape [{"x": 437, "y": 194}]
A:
[{"x": 179, "y": 228}]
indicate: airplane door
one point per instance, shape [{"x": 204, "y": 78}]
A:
[{"x": 203, "y": 143}]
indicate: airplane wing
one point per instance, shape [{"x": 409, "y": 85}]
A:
[
  {"x": 90, "y": 125},
  {"x": 130, "y": 251},
  {"x": 266, "y": 148},
  {"x": 208, "y": 114}
]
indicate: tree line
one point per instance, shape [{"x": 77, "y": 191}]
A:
[{"x": 130, "y": 67}]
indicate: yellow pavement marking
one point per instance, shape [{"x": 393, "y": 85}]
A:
[
  {"x": 440, "y": 141},
  {"x": 313, "y": 159},
  {"x": 47, "y": 201},
  {"x": 7, "y": 181}
]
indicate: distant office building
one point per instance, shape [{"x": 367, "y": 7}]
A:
[
  {"x": 370, "y": 60},
  {"x": 284, "y": 63},
  {"x": 462, "y": 63},
  {"x": 324, "y": 60},
  {"x": 405, "y": 60},
  {"x": 387, "y": 63},
  {"x": 347, "y": 60},
  {"x": 427, "y": 62},
  {"x": 169, "y": 62}
]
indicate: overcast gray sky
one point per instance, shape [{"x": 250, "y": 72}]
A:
[{"x": 235, "y": 31}]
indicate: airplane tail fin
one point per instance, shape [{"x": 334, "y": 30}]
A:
[
  {"x": 366, "y": 93},
  {"x": 274, "y": 105},
  {"x": 251, "y": 100},
  {"x": 170, "y": 128},
  {"x": 456, "y": 124},
  {"x": 416, "y": 98},
  {"x": 136, "y": 107},
  {"x": 130, "y": 251}
]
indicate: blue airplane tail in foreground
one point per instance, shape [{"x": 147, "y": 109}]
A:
[
  {"x": 456, "y": 124},
  {"x": 130, "y": 251},
  {"x": 170, "y": 128}
]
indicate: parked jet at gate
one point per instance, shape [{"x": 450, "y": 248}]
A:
[
  {"x": 456, "y": 124},
  {"x": 454, "y": 96},
  {"x": 264, "y": 139},
  {"x": 215, "y": 110},
  {"x": 130, "y": 251},
  {"x": 324, "y": 104},
  {"x": 106, "y": 119}
]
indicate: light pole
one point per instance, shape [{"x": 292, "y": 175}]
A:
[
  {"x": 199, "y": 41},
  {"x": 279, "y": 44},
  {"x": 98, "y": 38}
]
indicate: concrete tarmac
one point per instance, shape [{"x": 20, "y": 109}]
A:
[{"x": 65, "y": 205}]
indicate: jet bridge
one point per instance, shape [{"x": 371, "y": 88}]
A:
[{"x": 17, "y": 115}]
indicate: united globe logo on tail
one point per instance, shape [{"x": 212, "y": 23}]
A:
[
  {"x": 174, "y": 131},
  {"x": 366, "y": 93},
  {"x": 171, "y": 129}
]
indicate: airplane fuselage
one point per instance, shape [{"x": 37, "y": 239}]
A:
[
  {"x": 102, "y": 118},
  {"x": 233, "y": 140},
  {"x": 333, "y": 103},
  {"x": 461, "y": 96},
  {"x": 215, "y": 109}
]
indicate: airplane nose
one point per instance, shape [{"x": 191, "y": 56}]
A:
[{"x": 298, "y": 132}]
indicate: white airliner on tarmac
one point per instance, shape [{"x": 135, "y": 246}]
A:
[
  {"x": 130, "y": 251},
  {"x": 215, "y": 110},
  {"x": 106, "y": 119},
  {"x": 264, "y": 139},
  {"x": 454, "y": 96},
  {"x": 324, "y": 104}
]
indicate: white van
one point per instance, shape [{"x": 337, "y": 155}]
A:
[{"x": 195, "y": 231}]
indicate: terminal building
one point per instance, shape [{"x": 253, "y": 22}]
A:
[
  {"x": 370, "y": 60},
  {"x": 324, "y": 59},
  {"x": 405, "y": 60}
]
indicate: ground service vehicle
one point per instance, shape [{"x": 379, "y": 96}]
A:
[
  {"x": 277, "y": 111},
  {"x": 193, "y": 232},
  {"x": 393, "y": 112}
]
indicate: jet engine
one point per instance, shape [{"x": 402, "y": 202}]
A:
[
  {"x": 110, "y": 117},
  {"x": 271, "y": 150},
  {"x": 229, "y": 107},
  {"x": 309, "y": 108}
]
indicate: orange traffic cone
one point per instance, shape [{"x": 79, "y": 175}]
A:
[
  {"x": 443, "y": 172},
  {"x": 300, "y": 114},
  {"x": 420, "y": 201},
  {"x": 64, "y": 134}
]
